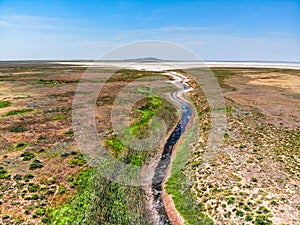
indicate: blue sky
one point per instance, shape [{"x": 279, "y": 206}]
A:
[{"x": 215, "y": 30}]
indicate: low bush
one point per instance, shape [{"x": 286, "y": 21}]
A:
[
  {"x": 39, "y": 212},
  {"x": 18, "y": 111},
  {"x": 18, "y": 177},
  {"x": 4, "y": 174},
  {"x": 27, "y": 156},
  {"x": 78, "y": 160},
  {"x": 4, "y": 104},
  {"x": 28, "y": 177},
  {"x": 36, "y": 164},
  {"x": 33, "y": 187}
]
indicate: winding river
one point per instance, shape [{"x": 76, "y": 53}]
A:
[{"x": 165, "y": 159}]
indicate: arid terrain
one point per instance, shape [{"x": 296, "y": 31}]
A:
[{"x": 45, "y": 179}]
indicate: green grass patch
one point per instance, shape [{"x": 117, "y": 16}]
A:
[
  {"x": 114, "y": 143},
  {"x": 147, "y": 111},
  {"x": 45, "y": 82},
  {"x": 76, "y": 209},
  {"x": 178, "y": 184},
  {"x": 4, "y": 104},
  {"x": 58, "y": 117},
  {"x": 18, "y": 111}
]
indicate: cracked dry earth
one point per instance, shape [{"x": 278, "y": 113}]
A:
[{"x": 255, "y": 178}]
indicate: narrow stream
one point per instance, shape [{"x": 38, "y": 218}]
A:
[{"x": 164, "y": 163}]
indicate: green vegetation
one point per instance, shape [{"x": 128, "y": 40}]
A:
[
  {"x": 18, "y": 177},
  {"x": 36, "y": 164},
  {"x": 75, "y": 210},
  {"x": 58, "y": 117},
  {"x": 77, "y": 160},
  {"x": 61, "y": 189},
  {"x": 4, "y": 174},
  {"x": 45, "y": 82},
  {"x": 21, "y": 145},
  {"x": 262, "y": 220},
  {"x": 33, "y": 187},
  {"x": 230, "y": 200},
  {"x": 4, "y": 104},
  {"x": 69, "y": 133},
  {"x": 254, "y": 179},
  {"x": 112, "y": 202},
  {"x": 39, "y": 212},
  {"x": 179, "y": 188},
  {"x": 114, "y": 143},
  {"x": 239, "y": 213},
  {"x": 18, "y": 111},
  {"x": 147, "y": 111},
  {"x": 248, "y": 217},
  {"x": 28, "y": 177},
  {"x": 27, "y": 156}
]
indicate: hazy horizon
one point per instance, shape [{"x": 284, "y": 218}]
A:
[{"x": 214, "y": 30}]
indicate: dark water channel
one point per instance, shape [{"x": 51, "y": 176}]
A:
[{"x": 164, "y": 163}]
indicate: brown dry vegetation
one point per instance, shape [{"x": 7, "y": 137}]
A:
[{"x": 255, "y": 177}]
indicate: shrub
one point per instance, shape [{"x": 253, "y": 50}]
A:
[
  {"x": 35, "y": 197},
  {"x": 246, "y": 207},
  {"x": 4, "y": 174},
  {"x": 5, "y": 217},
  {"x": 254, "y": 179},
  {"x": 19, "y": 220},
  {"x": 18, "y": 177},
  {"x": 78, "y": 160},
  {"x": 230, "y": 200},
  {"x": 71, "y": 178},
  {"x": 262, "y": 220},
  {"x": 18, "y": 111},
  {"x": 50, "y": 192},
  {"x": 239, "y": 213},
  {"x": 61, "y": 189},
  {"x": 21, "y": 145},
  {"x": 57, "y": 117},
  {"x": 69, "y": 133},
  {"x": 273, "y": 202},
  {"x": 33, "y": 187},
  {"x": 45, "y": 82},
  {"x": 226, "y": 135},
  {"x": 36, "y": 164},
  {"x": 4, "y": 104},
  {"x": 248, "y": 217},
  {"x": 39, "y": 212},
  {"x": 27, "y": 156},
  {"x": 27, "y": 177}
]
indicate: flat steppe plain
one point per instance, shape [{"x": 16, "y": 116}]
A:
[{"x": 254, "y": 179}]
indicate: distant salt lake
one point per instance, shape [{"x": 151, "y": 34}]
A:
[{"x": 165, "y": 65}]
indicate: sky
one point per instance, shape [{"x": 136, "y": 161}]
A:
[{"x": 262, "y": 30}]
